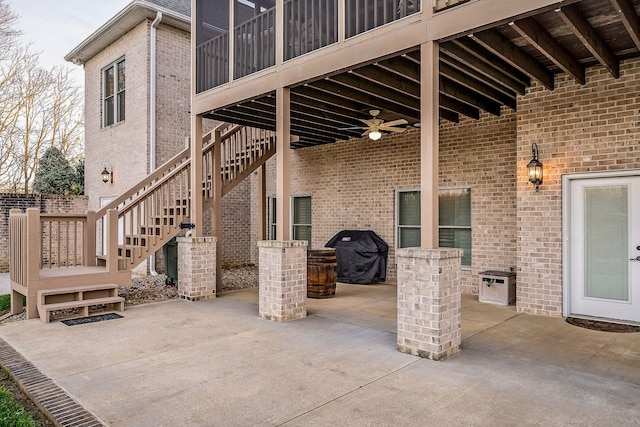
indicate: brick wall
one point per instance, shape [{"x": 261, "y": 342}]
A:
[
  {"x": 124, "y": 144},
  {"x": 595, "y": 127},
  {"x": 173, "y": 99},
  {"x": 353, "y": 186},
  {"x": 46, "y": 204}
]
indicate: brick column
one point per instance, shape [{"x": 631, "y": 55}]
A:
[
  {"x": 196, "y": 268},
  {"x": 429, "y": 302},
  {"x": 283, "y": 279}
]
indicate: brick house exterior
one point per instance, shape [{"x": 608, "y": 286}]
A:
[
  {"x": 578, "y": 128},
  {"x": 125, "y": 146}
]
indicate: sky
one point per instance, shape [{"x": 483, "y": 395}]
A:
[{"x": 55, "y": 27}]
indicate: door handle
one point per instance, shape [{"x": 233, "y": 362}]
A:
[{"x": 635, "y": 259}]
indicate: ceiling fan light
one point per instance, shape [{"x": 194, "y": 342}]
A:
[{"x": 375, "y": 135}]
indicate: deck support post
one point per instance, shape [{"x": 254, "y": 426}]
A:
[{"x": 282, "y": 280}]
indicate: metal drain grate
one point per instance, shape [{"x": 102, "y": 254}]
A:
[
  {"x": 52, "y": 400},
  {"x": 91, "y": 319}
]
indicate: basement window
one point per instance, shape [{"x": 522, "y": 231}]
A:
[
  {"x": 301, "y": 218},
  {"x": 454, "y": 228}
]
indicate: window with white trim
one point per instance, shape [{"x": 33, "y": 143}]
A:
[
  {"x": 454, "y": 228},
  {"x": 271, "y": 214},
  {"x": 113, "y": 93},
  {"x": 301, "y": 218}
]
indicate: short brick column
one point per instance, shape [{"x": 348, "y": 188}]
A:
[
  {"x": 429, "y": 302},
  {"x": 283, "y": 280},
  {"x": 196, "y": 268}
]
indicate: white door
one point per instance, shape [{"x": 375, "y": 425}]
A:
[{"x": 604, "y": 244}]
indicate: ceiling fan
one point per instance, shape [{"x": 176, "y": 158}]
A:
[{"x": 376, "y": 126}]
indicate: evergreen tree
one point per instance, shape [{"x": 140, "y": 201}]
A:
[{"x": 54, "y": 174}]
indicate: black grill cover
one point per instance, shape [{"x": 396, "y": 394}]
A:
[{"x": 362, "y": 256}]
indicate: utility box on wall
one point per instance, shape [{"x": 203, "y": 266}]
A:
[{"x": 497, "y": 287}]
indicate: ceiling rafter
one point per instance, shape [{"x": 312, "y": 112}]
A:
[
  {"x": 454, "y": 105},
  {"x": 449, "y": 115},
  {"x": 498, "y": 44},
  {"x": 629, "y": 18},
  {"x": 463, "y": 68},
  {"x": 460, "y": 52},
  {"x": 459, "y": 92},
  {"x": 540, "y": 38},
  {"x": 366, "y": 98},
  {"x": 476, "y": 85},
  {"x": 580, "y": 26}
]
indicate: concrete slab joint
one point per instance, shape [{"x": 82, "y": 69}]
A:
[
  {"x": 429, "y": 302},
  {"x": 282, "y": 280},
  {"x": 197, "y": 268}
]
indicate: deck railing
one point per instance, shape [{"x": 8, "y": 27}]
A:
[
  {"x": 365, "y": 15},
  {"x": 446, "y": 4},
  {"x": 212, "y": 63},
  {"x": 64, "y": 239},
  {"x": 136, "y": 224},
  {"x": 309, "y": 25},
  {"x": 255, "y": 44},
  {"x": 18, "y": 254}
]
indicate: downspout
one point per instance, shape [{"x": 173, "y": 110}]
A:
[{"x": 152, "y": 115}]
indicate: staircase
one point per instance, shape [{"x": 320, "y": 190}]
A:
[{"x": 59, "y": 252}]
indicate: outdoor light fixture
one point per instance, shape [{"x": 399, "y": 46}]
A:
[
  {"x": 375, "y": 135},
  {"x": 107, "y": 176},
  {"x": 534, "y": 168}
]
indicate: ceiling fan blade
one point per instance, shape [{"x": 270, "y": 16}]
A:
[
  {"x": 396, "y": 122},
  {"x": 368, "y": 122},
  {"x": 392, "y": 129},
  {"x": 353, "y": 127},
  {"x": 366, "y": 132}
]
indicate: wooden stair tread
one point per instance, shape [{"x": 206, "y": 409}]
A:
[
  {"x": 80, "y": 303},
  {"x": 82, "y": 288}
]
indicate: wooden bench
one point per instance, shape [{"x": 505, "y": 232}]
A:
[{"x": 81, "y": 297}]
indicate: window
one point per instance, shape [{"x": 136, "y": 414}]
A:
[
  {"x": 271, "y": 214},
  {"x": 454, "y": 214},
  {"x": 113, "y": 98},
  {"x": 408, "y": 218},
  {"x": 301, "y": 224},
  {"x": 455, "y": 221}
]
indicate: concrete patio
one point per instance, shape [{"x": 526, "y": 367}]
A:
[{"x": 216, "y": 363}]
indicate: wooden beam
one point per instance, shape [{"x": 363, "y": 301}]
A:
[
  {"x": 580, "y": 26},
  {"x": 463, "y": 68},
  {"x": 283, "y": 142},
  {"x": 401, "y": 66},
  {"x": 454, "y": 90},
  {"x": 467, "y": 57},
  {"x": 460, "y": 107},
  {"x": 429, "y": 144},
  {"x": 629, "y": 18},
  {"x": 498, "y": 44},
  {"x": 384, "y": 93},
  {"x": 380, "y": 76},
  {"x": 449, "y": 115},
  {"x": 367, "y": 99},
  {"x": 328, "y": 97},
  {"x": 195, "y": 150},
  {"x": 540, "y": 38},
  {"x": 476, "y": 85}
]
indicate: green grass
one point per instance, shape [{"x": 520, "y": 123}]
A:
[
  {"x": 5, "y": 304},
  {"x": 12, "y": 413}
]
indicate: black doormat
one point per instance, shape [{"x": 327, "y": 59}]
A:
[
  {"x": 91, "y": 319},
  {"x": 597, "y": 325}
]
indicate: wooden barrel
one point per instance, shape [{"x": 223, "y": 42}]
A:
[{"x": 322, "y": 273}]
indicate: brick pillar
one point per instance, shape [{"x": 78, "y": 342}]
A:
[
  {"x": 196, "y": 268},
  {"x": 429, "y": 302},
  {"x": 283, "y": 279}
]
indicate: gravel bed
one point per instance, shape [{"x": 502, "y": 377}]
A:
[{"x": 149, "y": 289}]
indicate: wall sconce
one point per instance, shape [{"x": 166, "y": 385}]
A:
[
  {"x": 107, "y": 176},
  {"x": 534, "y": 168},
  {"x": 375, "y": 135}
]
